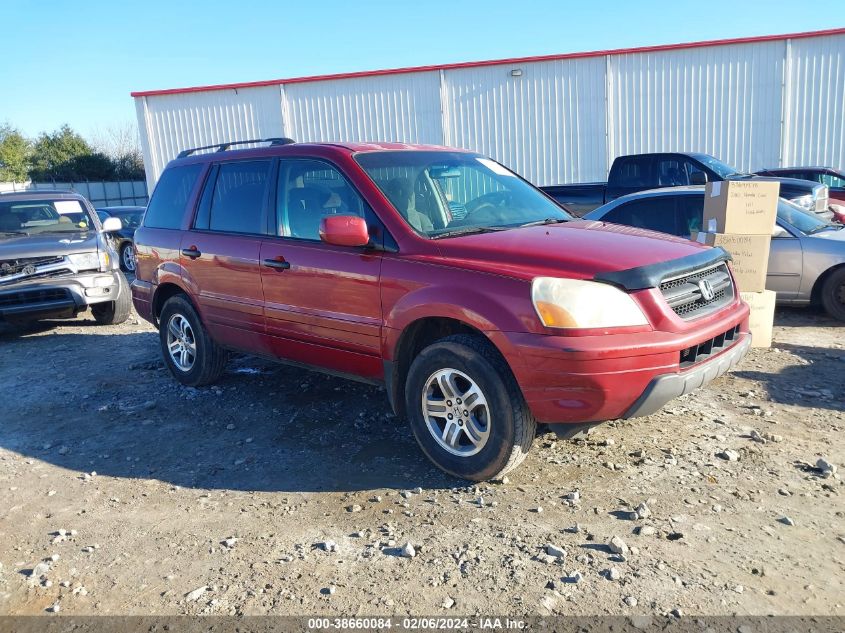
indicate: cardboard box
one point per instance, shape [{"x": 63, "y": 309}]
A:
[
  {"x": 762, "y": 316},
  {"x": 750, "y": 255},
  {"x": 740, "y": 206}
]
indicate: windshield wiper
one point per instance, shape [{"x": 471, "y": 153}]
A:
[
  {"x": 545, "y": 221},
  {"x": 469, "y": 230},
  {"x": 13, "y": 233}
]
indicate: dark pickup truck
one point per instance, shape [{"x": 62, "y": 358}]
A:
[{"x": 638, "y": 172}]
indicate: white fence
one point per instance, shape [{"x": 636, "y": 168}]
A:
[{"x": 101, "y": 194}]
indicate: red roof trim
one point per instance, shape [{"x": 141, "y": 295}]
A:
[{"x": 492, "y": 62}]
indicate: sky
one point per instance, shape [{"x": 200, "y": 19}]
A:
[{"x": 76, "y": 62}]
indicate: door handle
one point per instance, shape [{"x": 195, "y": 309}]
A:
[
  {"x": 192, "y": 252},
  {"x": 275, "y": 263}
]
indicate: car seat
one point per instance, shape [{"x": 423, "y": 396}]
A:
[{"x": 400, "y": 192}]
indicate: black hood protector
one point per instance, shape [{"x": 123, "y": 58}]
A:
[{"x": 651, "y": 275}]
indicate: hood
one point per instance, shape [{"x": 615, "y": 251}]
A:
[
  {"x": 791, "y": 187},
  {"x": 833, "y": 236},
  {"x": 47, "y": 244},
  {"x": 580, "y": 249}
]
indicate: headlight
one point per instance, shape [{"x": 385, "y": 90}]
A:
[
  {"x": 805, "y": 202},
  {"x": 573, "y": 303},
  {"x": 90, "y": 261}
]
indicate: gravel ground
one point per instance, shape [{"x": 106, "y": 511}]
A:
[{"x": 280, "y": 491}]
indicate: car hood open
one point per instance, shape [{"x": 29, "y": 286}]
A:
[
  {"x": 579, "y": 249},
  {"x": 47, "y": 244}
]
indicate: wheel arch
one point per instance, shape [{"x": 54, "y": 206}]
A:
[
  {"x": 816, "y": 292},
  {"x": 411, "y": 340},
  {"x": 164, "y": 292}
]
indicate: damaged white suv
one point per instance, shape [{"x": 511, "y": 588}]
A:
[{"x": 55, "y": 260}]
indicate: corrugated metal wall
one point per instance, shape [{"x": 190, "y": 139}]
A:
[
  {"x": 403, "y": 108},
  {"x": 547, "y": 124},
  {"x": 722, "y": 100},
  {"x": 176, "y": 122},
  {"x": 752, "y": 105},
  {"x": 815, "y": 102}
]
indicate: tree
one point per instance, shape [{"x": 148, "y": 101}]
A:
[
  {"x": 122, "y": 145},
  {"x": 54, "y": 154},
  {"x": 15, "y": 154}
]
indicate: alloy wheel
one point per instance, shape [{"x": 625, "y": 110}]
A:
[
  {"x": 129, "y": 258},
  {"x": 456, "y": 412},
  {"x": 181, "y": 343}
]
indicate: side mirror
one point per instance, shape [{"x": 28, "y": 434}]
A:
[
  {"x": 344, "y": 230},
  {"x": 112, "y": 225},
  {"x": 698, "y": 178}
]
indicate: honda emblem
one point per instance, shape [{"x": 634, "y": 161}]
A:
[{"x": 706, "y": 288}]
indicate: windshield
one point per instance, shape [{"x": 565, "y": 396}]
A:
[
  {"x": 805, "y": 222},
  {"x": 44, "y": 216},
  {"x": 129, "y": 219},
  {"x": 441, "y": 194},
  {"x": 722, "y": 169}
]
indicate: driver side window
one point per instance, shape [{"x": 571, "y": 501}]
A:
[{"x": 308, "y": 191}]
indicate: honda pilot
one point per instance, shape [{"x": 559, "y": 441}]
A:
[{"x": 482, "y": 307}]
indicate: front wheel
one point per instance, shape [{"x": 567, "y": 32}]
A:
[
  {"x": 117, "y": 311},
  {"x": 127, "y": 257},
  {"x": 466, "y": 410},
  {"x": 833, "y": 295},
  {"x": 191, "y": 354}
]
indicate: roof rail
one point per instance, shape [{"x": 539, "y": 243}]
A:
[{"x": 222, "y": 147}]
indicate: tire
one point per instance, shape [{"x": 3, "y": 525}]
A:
[
  {"x": 127, "y": 258},
  {"x": 117, "y": 311},
  {"x": 207, "y": 362},
  {"x": 833, "y": 294},
  {"x": 509, "y": 428}
]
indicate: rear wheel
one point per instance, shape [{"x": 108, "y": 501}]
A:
[
  {"x": 466, "y": 410},
  {"x": 833, "y": 295},
  {"x": 117, "y": 311},
  {"x": 192, "y": 356}
]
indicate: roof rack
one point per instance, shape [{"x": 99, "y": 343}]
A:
[{"x": 222, "y": 147}]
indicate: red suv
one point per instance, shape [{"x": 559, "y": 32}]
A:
[{"x": 481, "y": 306}]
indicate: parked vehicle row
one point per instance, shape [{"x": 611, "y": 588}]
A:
[
  {"x": 807, "y": 256},
  {"x": 833, "y": 179},
  {"x": 484, "y": 308},
  {"x": 640, "y": 172},
  {"x": 481, "y": 305},
  {"x": 56, "y": 260}
]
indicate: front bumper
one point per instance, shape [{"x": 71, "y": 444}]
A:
[
  {"x": 664, "y": 388},
  {"x": 584, "y": 379},
  {"x": 57, "y": 297}
]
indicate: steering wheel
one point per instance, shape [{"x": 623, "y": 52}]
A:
[{"x": 488, "y": 205}]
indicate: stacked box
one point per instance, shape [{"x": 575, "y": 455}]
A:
[
  {"x": 739, "y": 216},
  {"x": 761, "y": 319}
]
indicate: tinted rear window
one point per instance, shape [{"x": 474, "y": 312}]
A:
[
  {"x": 167, "y": 206},
  {"x": 237, "y": 203}
]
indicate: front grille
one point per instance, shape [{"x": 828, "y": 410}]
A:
[
  {"x": 30, "y": 297},
  {"x": 15, "y": 266},
  {"x": 689, "y": 295},
  {"x": 704, "y": 350}
]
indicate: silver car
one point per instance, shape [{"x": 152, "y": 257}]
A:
[{"x": 807, "y": 258}]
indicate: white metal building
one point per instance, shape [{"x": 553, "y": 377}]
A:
[{"x": 753, "y": 102}]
